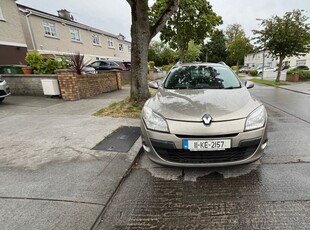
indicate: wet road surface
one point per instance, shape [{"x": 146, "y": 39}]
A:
[{"x": 272, "y": 193}]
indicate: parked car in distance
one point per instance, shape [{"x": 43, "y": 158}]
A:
[
  {"x": 300, "y": 67},
  {"x": 245, "y": 69},
  {"x": 89, "y": 70},
  {"x": 203, "y": 116},
  {"x": 4, "y": 89},
  {"x": 121, "y": 64},
  {"x": 105, "y": 65},
  {"x": 266, "y": 69}
]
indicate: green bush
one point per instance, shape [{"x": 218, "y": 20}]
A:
[
  {"x": 167, "y": 67},
  {"x": 304, "y": 75},
  {"x": 253, "y": 72},
  {"x": 152, "y": 65},
  {"x": 292, "y": 71},
  {"x": 234, "y": 67},
  {"x": 41, "y": 65}
]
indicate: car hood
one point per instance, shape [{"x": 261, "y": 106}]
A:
[{"x": 192, "y": 105}]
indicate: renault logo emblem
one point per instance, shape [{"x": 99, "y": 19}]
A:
[{"x": 207, "y": 119}]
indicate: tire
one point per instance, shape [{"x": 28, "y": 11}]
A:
[{"x": 1, "y": 99}]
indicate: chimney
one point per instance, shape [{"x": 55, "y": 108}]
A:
[{"x": 63, "y": 13}]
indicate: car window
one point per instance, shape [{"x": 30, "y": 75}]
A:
[
  {"x": 201, "y": 77},
  {"x": 95, "y": 64},
  {"x": 103, "y": 63}
]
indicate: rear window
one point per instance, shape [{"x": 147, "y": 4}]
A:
[{"x": 201, "y": 77}]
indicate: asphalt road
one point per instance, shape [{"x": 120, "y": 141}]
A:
[{"x": 272, "y": 193}]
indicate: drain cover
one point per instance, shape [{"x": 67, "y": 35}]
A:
[{"x": 121, "y": 140}]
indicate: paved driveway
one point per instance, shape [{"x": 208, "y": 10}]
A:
[{"x": 50, "y": 177}]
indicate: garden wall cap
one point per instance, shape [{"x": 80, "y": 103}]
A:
[{"x": 64, "y": 70}]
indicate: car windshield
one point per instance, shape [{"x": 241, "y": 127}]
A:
[{"x": 201, "y": 77}]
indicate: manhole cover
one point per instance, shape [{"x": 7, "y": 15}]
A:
[{"x": 121, "y": 140}]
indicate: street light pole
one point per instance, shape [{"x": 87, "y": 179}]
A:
[{"x": 263, "y": 65}]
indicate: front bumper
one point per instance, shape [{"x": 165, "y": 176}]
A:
[
  {"x": 4, "y": 89},
  {"x": 167, "y": 148}
]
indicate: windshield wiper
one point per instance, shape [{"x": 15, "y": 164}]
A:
[{"x": 233, "y": 87}]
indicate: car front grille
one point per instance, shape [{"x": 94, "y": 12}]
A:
[{"x": 245, "y": 150}]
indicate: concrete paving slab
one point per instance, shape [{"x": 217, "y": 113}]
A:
[{"x": 47, "y": 166}]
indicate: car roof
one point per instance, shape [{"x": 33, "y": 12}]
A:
[{"x": 204, "y": 64}]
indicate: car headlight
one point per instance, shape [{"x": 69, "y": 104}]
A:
[
  {"x": 256, "y": 119},
  {"x": 154, "y": 121}
]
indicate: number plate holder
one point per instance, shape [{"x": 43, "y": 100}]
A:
[{"x": 207, "y": 145}]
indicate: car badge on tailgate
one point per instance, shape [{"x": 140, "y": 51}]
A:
[{"x": 207, "y": 119}]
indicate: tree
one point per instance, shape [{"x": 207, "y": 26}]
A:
[
  {"x": 161, "y": 53},
  {"x": 193, "y": 21},
  {"x": 193, "y": 52},
  {"x": 215, "y": 50},
  {"x": 238, "y": 45},
  {"x": 144, "y": 27},
  {"x": 284, "y": 37}
]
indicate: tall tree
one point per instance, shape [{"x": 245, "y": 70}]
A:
[
  {"x": 193, "y": 52},
  {"x": 284, "y": 37},
  {"x": 238, "y": 45},
  {"x": 215, "y": 50},
  {"x": 143, "y": 28},
  {"x": 193, "y": 21}
]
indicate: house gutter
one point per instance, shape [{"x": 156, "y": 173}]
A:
[{"x": 29, "y": 28}]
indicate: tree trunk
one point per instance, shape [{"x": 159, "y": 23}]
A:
[
  {"x": 140, "y": 34},
  {"x": 279, "y": 69}
]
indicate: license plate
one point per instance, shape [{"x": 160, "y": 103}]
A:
[{"x": 206, "y": 145}]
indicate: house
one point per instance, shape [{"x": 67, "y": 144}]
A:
[
  {"x": 26, "y": 29},
  {"x": 257, "y": 60},
  {"x": 13, "y": 46},
  {"x": 58, "y": 35}
]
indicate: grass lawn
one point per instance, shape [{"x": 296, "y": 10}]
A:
[
  {"x": 124, "y": 108},
  {"x": 241, "y": 76},
  {"x": 268, "y": 82}
]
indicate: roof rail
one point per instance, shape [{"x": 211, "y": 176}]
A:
[{"x": 222, "y": 63}]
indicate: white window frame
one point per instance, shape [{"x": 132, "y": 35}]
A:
[
  {"x": 96, "y": 39},
  {"x": 75, "y": 35},
  {"x": 1, "y": 15},
  {"x": 121, "y": 47},
  {"x": 49, "y": 29},
  {"x": 110, "y": 43}
]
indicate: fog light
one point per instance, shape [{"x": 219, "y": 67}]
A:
[
  {"x": 145, "y": 147},
  {"x": 264, "y": 145}
]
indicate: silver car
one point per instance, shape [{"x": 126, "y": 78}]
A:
[
  {"x": 202, "y": 116},
  {"x": 4, "y": 89}
]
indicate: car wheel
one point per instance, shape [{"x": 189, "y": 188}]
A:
[{"x": 1, "y": 99}]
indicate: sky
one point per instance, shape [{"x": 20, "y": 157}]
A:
[{"x": 114, "y": 16}]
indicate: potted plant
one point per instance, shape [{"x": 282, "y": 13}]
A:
[{"x": 27, "y": 70}]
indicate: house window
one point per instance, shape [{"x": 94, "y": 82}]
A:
[
  {"x": 301, "y": 62},
  {"x": 110, "y": 43},
  {"x": 1, "y": 15},
  {"x": 121, "y": 47},
  {"x": 49, "y": 29},
  {"x": 75, "y": 34},
  {"x": 96, "y": 39}
]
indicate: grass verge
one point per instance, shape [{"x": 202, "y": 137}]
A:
[
  {"x": 268, "y": 82},
  {"x": 124, "y": 108}
]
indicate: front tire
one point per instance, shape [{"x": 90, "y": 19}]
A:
[{"x": 1, "y": 99}]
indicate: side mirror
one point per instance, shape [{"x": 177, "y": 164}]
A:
[
  {"x": 249, "y": 85},
  {"x": 153, "y": 84}
]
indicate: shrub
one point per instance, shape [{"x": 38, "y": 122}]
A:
[
  {"x": 167, "y": 67},
  {"x": 41, "y": 65},
  {"x": 151, "y": 64},
  {"x": 234, "y": 67},
  {"x": 304, "y": 75},
  {"x": 78, "y": 63},
  {"x": 292, "y": 71},
  {"x": 253, "y": 72}
]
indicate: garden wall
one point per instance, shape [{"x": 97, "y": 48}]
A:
[{"x": 26, "y": 84}]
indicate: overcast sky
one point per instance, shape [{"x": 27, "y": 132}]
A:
[{"x": 114, "y": 16}]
